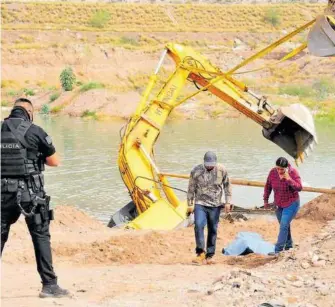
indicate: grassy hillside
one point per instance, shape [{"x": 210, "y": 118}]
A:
[
  {"x": 107, "y": 48},
  {"x": 157, "y": 18}
]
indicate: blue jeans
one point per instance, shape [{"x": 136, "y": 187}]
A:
[
  {"x": 285, "y": 217},
  {"x": 206, "y": 216}
]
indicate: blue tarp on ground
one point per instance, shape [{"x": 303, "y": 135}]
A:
[{"x": 248, "y": 241}]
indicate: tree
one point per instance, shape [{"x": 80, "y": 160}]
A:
[{"x": 67, "y": 79}]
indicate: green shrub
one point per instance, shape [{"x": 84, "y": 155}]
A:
[
  {"x": 67, "y": 79},
  {"x": 90, "y": 86},
  {"x": 28, "y": 92},
  {"x": 323, "y": 88},
  {"x": 56, "y": 109},
  {"x": 100, "y": 19},
  {"x": 296, "y": 90},
  {"x": 5, "y": 103},
  {"x": 45, "y": 109},
  {"x": 88, "y": 113},
  {"x": 272, "y": 17},
  {"x": 124, "y": 40},
  {"x": 326, "y": 116},
  {"x": 54, "y": 96},
  {"x": 12, "y": 93}
]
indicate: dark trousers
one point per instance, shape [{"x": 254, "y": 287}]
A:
[
  {"x": 206, "y": 216},
  {"x": 40, "y": 235}
]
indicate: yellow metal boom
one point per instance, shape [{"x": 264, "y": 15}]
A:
[{"x": 157, "y": 206}]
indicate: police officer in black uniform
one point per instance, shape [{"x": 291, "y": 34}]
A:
[{"x": 25, "y": 148}]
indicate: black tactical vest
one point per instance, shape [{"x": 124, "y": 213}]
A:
[{"x": 18, "y": 158}]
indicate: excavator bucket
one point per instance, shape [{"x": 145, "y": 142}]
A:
[
  {"x": 321, "y": 38},
  {"x": 293, "y": 130}
]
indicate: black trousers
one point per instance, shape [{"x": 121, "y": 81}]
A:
[{"x": 40, "y": 235}]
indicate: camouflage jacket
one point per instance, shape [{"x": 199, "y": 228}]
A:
[{"x": 206, "y": 187}]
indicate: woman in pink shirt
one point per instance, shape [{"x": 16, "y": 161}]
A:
[{"x": 285, "y": 182}]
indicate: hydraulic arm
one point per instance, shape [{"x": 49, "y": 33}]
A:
[{"x": 157, "y": 206}]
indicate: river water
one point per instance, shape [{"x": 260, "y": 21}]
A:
[{"x": 89, "y": 177}]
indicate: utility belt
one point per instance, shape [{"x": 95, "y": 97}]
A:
[
  {"x": 30, "y": 190},
  {"x": 32, "y": 184}
]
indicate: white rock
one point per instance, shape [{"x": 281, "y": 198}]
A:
[
  {"x": 290, "y": 45},
  {"x": 238, "y": 41},
  {"x": 291, "y": 277},
  {"x": 305, "y": 265},
  {"x": 324, "y": 290},
  {"x": 315, "y": 258},
  {"x": 278, "y": 302}
]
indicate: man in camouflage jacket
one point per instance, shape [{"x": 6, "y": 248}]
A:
[{"x": 209, "y": 183}]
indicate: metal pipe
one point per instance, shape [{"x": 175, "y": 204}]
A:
[
  {"x": 253, "y": 94},
  {"x": 160, "y": 63},
  {"x": 260, "y": 184},
  {"x": 171, "y": 196},
  {"x": 149, "y": 159}
]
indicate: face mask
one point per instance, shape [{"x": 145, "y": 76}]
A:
[{"x": 29, "y": 116}]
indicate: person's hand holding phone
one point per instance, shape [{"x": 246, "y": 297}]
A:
[
  {"x": 283, "y": 173},
  {"x": 286, "y": 175}
]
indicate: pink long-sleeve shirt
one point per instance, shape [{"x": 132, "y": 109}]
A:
[{"x": 285, "y": 191}]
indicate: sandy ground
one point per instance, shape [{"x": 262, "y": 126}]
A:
[{"x": 106, "y": 267}]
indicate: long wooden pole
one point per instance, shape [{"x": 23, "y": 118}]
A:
[{"x": 255, "y": 183}]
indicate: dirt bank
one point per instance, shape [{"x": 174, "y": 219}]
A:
[
  {"x": 34, "y": 68},
  {"x": 320, "y": 209},
  {"x": 105, "y": 267}
]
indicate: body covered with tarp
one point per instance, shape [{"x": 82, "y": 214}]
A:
[{"x": 248, "y": 242}]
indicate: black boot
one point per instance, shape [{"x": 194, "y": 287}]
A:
[{"x": 53, "y": 291}]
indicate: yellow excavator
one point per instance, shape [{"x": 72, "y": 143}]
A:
[{"x": 154, "y": 203}]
